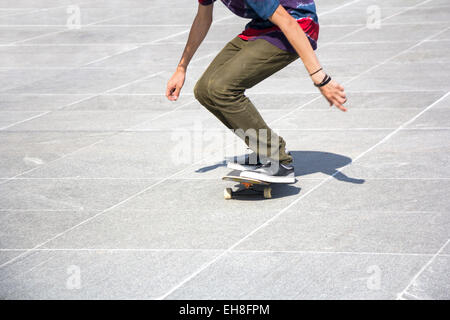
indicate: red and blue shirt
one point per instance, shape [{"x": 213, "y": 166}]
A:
[{"x": 304, "y": 11}]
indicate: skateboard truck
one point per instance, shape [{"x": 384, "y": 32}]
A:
[{"x": 247, "y": 184}]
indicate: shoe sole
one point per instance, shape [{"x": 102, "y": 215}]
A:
[
  {"x": 264, "y": 177},
  {"x": 240, "y": 167}
]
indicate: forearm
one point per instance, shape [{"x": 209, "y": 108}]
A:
[
  {"x": 330, "y": 89},
  {"x": 199, "y": 29},
  {"x": 299, "y": 41},
  {"x": 301, "y": 44}
]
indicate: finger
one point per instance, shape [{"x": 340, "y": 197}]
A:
[
  {"x": 340, "y": 106},
  {"x": 342, "y": 94},
  {"x": 173, "y": 98},
  {"x": 176, "y": 92},
  {"x": 169, "y": 90},
  {"x": 340, "y": 99},
  {"x": 336, "y": 99}
]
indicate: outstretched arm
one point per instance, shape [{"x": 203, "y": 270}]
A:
[
  {"x": 198, "y": 32},
  {"x": 333, "y": 91}
]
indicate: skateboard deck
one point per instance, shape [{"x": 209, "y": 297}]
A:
[{"x": 247, "y": 184}]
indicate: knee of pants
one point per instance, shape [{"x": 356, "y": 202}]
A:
[
  {"x": 224, "y": 94},
  {"x": 217, "y": 93},
  {"x": 201, "y": 92}
]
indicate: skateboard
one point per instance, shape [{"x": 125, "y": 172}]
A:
[{"x": 247, "y": 184}]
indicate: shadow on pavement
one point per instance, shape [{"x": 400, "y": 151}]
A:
[
  {"x": 305, "y": 163},
  {"x": 278, "y": 191},
  {"x": 309, "y": 162}
]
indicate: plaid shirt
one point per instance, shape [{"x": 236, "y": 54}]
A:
[{"x": 304, "y": 11}]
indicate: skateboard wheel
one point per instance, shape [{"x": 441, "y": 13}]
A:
[
  {"x": 227, "y": 193},
  {"x": 268, "y": 192}
]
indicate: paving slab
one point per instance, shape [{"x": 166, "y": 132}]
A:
[
  {"x": 445, "y": 250},
  {"x": 439, "y": 14},
  {"x": 179, "y": 16},
  {"x": 213, "y": 192},
  {"x": 146, "y": 223},
  {"x": 390, "y": 3},
  {"x": 54, "y": 56},
  {"x": 163, "y": 55},
  {"x": 14, "y": 34},
  {"x": 247, "y": 275},
  {"x": 23, "y": 151},
  {"x": 338, "y": 142},
  {"x": 349, "y": 52},
  {"x": 193, "y": 119},
  {"x": 355, "y": 119},
  {"x": 434, "y": 118},
  {"x": 127, "y": 102},
  {"x": 102, "y": 275},
  {"x": 357, "y": 14},
  {"x": 390, "y": 76},
  {"x": 433, "y": 283},
  {"x": 91, "y": 34},
  {"x": 53, "y": 194},
  {"x": 398, "y": 32},
  {"x": 14, "y": 78},
  {"x": 92, "y": 120},
  {"x": 411, "y": 154},
  {"x": 117, "y": 184},
  {"x": 60, "y": 16},
  {"x": 6, "y": 256},
  {"x": 334, "y": 230},
  {"x": 357, "y": 100},
  {"x": 32, "y": 102},
  {"x": 8, "y": 118},
  {"x": 156, "y": 84},
  {"x": 135, "y": 3},
  {"x": 14, "y": 11},
  {"x": 445, "y": 35},
  {"x": 24, "y": 229},
  {"x": 82, "y": 81},
  {"x": 133, "y": 155},
  {"x": 381, "y": 194},
  {"x": 35, "y": 4},
  {"x": 427, "y": 52}
]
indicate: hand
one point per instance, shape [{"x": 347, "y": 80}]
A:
[
  {"x": 333, "y": 91},
  {"x": 335, "y": 94},
  {"x": 175, "y": 84}
]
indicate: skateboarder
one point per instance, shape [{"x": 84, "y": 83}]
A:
[{"x": 280, "y": 31}]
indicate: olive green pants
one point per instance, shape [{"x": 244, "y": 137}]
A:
[{"x": 238, "y": 66}]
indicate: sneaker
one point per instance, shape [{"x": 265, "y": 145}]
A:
[
  {"x": 280, "y": 173},
  {"x": 245, "y": 162}
]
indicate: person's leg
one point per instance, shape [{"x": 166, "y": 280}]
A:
[
  {"x": 222, "y": 90},
  {"x": 201, "y": 87}
]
